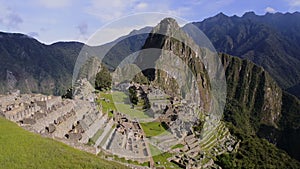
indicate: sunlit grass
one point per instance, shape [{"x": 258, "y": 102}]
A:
[
  {"x": 21, "y": 149},
  {"x": 118, "y": 101},
  {"x": 153, "y": 128},
  {"x": 161, "y": 158}
]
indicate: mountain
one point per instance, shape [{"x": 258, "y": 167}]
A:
[
  {"x": 36, "y": 67},
  {"x": 271, "y": 41},
  {"x": 257, "y": 111},
  {"x": 257, "y": 107}
]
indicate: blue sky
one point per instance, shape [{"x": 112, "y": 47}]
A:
[{"x": 76, "y": 20}]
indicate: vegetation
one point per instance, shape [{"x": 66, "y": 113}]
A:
[
  {"x": 22, "y": 149},
  {"x": 177, "y": 146},
  {"x": 243, "y": 116},
  {"x": 290, "y": 126},
  {"x": 268, "y": 41},
  {"x": 133, "y": 113},
  {"x": 103, "y": 79},
  {"x": 122, "y": 159},
  {"x": 161, "y": 158},
  {"x": 95, "y": 137},
  {"x": 255, "y": 152},
  {"x": 153, "y": 128},
  {"x": 106, "y": 101},
  {"x": 116, "y": 101},
  {"x": 68, "y": 94},
  {"x": 140, "y": 79},
  {"x": 39, "y": 68},
  {"x": 133, "y": 95}
]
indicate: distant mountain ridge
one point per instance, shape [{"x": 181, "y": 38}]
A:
[
  {"x": 36, "y": 67},
  {"x": 256, "y": 106},
  {"x": 255, "y": 103},
  {"x": 48, "y": 69},
  {"x": 271, "y": 41}
]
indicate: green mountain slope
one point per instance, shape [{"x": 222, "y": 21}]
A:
[
  {"x": 271, "y": 41},
  {"x": 254, "y": 102},
  {"x": 36, "y": 67},
  {"x": 257, "y": 109},
  {"x": 21, "y": 149}
]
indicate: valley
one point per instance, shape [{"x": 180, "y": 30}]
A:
[{"x": 174, "y": 104}]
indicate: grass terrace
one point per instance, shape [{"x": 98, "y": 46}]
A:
[
  {"x": 21, "y": 149},
  {"x": 153, "y": 128},
  {"x": 118, "y": 101}
]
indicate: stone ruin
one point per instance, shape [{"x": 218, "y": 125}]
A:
[{"x": 79, "y": 121}]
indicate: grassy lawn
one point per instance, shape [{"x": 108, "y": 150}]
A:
[
  {"x": 153, "y": 128},
  {"x": 121, "y": 103},
  {"x": 177, "y": 146},
  {"x": 117, "y": 103},
  {"x": 162, "y": 158},
  {"x": 21, "y": 149},
  {"x": 133, "y": 113},
  {"x": 106, "y": 106},
  {"x": 120, "y": 97}
]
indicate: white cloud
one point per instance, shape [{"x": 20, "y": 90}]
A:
[
  {"x": 54, "y": 3},
  {"x": 107, "y": 10},
  {"x": 125, "y": 25},
  {"x": 294, "y": 3},
  {"x": 141, "y": 6},
  {"x": 270, "y": 10}
]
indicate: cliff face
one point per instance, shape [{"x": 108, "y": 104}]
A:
[
  {"x": 253, "y": 88},
  {"x": 257, "y": 106},
  {"x": 249, "y": 86},
  {"x": 271, "y": 41},
  {"x": 177, "y": 60}
]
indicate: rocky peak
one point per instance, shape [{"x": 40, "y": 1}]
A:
[
  {"x": 221, "y": 15},
  {"x": 166, "y": 25},
  {"x": 178, "y": 54},
  {"x": 249, "y": 14}
]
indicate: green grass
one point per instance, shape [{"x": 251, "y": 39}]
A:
[
  {"x": 177, "y": 146},
  {"x": 162, "y": 158},
  {"x": 133, "y": 113},
  {"x": 21, "y": 149},
  {"x": 119, "y": 97},
  {"x": 106, "y": 106},
  {"x": 96, "y": 136},
  {"x": 123, "y": 160},
  {"x": 117, "y": 103},
  {"x": 153, "y": 128}
]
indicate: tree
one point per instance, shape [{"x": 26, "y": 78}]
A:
[
  {"x": 68, "y": 94},
  {"x": 133, "y": 95},
  {"x": 103, "y": 79}
]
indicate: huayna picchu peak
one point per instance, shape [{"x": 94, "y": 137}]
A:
[{"x": 159, "y": 97}]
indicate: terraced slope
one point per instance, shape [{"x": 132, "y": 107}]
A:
[{"x": 21, "y": 149}]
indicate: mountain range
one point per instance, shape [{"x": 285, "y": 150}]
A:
[
  {"x": 36, "y": 67},
  {"x": 257, "y": 109},
  {"x": 271, "y": 41}
]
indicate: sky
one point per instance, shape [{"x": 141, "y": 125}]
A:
[{"x": 50, "y": 21}]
